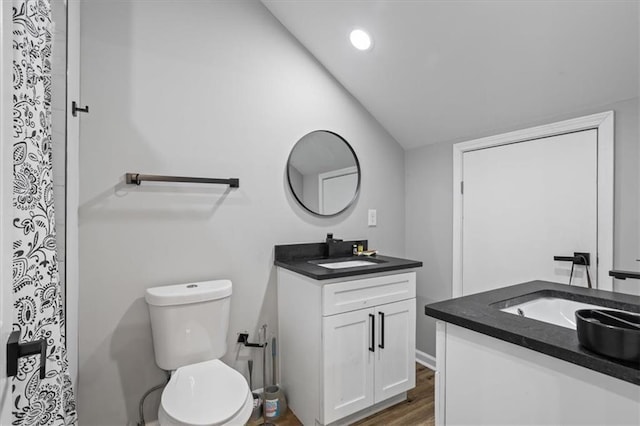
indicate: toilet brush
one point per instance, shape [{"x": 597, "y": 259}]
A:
[
  {"x": 257, "y": 403},
  {"x": 273, "y": 361},
  {"x": 264, "y": 378}
]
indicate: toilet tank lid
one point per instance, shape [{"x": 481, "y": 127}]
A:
[{"x": 181, "y": 294}]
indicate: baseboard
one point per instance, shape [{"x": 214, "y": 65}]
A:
[{"x": 426, "y": 360}]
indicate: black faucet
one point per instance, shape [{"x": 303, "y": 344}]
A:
[
  {"x": 330, "y": 238},
  {"x": 337, "y": 247}
]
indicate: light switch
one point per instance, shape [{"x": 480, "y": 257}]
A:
[{"x": 372, "y": 217}]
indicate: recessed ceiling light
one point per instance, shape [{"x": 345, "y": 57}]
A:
[{"x": 360, "y": 39}]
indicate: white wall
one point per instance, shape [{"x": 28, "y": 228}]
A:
[
  {"x": 214, "y": 89},
  {"x": 429, "y": 234},
  {"x": 58, "y": 134},
  {"x": 61, "y": 135},
  {"x": 626, "y": 248}
]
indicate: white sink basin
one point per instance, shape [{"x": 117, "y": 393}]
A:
[
  {"x": 553, "y": 310},
  {"x": 346, "y": 264}
]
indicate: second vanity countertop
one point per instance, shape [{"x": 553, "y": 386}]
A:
[
  {"x": 304, "y": 258},
  {"x": 481, "y": 313}
]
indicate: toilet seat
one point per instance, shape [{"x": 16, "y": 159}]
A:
[{"x": 205, "y": 394}]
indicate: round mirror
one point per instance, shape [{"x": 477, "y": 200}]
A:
[{"x": 323, "y": 173}]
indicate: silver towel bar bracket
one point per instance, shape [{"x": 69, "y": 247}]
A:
[{"x": 137, "y": 178}]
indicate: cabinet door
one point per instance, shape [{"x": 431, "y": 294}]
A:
[
  {"x": 348, "y": 342},
  {"x": 395, "y": 370}
]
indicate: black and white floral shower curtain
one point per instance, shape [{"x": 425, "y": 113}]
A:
[{"x": 38, "y": 308}]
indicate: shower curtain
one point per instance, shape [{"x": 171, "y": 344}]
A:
[{"x": 38, "y": 308}]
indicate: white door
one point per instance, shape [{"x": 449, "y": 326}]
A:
[
  {"x": 524, "y": 203},
  {"x": 337, "y": 189},
  {"x": 349, "y": 342},
  {"x": 395, "y": 369},
  {"x": 6, "y": 208}
]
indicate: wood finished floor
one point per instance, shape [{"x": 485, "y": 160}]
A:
[{"x": 417, "y": 410}]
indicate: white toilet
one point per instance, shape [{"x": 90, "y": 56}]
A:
[{"x": 189, "y": 324}]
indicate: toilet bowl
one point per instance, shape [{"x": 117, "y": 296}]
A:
[{"x": 206, "y": 394}]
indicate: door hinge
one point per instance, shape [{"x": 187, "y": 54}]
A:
[{"x": 462, "y": 187}]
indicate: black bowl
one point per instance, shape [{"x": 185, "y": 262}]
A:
[{"x": 610, "y": 333}]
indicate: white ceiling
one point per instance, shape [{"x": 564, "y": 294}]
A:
[{"x": 449, "y": 70}]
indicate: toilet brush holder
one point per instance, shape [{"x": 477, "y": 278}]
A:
[{"x": 275, "y": 402}]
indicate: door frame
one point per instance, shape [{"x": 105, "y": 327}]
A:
[
  {"x": 603, "y": 124},
  {"x": 72, "y": 256},
  {"x": 330, "y": 175}
]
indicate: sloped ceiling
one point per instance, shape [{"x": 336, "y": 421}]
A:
[{"x": 446, "y": 70}]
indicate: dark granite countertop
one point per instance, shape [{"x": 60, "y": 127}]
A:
[
  {"x": 304, "y": 259},
  {"x": 481, "y": 313}
]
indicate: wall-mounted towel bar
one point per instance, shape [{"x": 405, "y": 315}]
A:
[
  {"x": 136, "y": 178},
  {"x": 623, "y": 275}
]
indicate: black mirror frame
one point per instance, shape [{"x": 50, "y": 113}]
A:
[{"x": 355, "y": 157}]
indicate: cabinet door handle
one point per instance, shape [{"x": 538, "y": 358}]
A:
[
  {"x": 381, "y": 345},
  {"x": 373, "y": 332}
]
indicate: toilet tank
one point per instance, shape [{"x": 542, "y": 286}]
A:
[{"x": 189, "y": 322}]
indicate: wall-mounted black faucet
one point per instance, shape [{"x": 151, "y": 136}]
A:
[{"x": 578, "y": 258}]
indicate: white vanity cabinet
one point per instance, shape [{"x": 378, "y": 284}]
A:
[
  {"x": 485, "y": 381},
  {"x": 347, "y": 345},
  {"x": 369, "y": 356}
]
